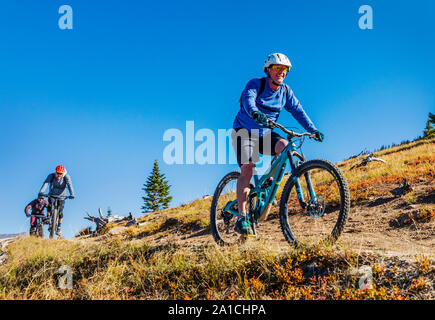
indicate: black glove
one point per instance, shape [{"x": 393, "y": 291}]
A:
[
  {"x": 318, "y": 136},
  {"x": 260, "y": 118},
  {"x": 71, "y": 197}
]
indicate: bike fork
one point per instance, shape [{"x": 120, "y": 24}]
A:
[{"x": 298, "y": 185}]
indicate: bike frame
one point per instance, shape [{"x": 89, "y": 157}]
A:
[
  {"x": 55, "y": 209},
  {"x": 40, "y": 219},
  {"x": 40, "y": 216},
  {"x": 276, "y": 171}
]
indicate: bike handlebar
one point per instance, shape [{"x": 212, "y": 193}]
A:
[
  {"x": 56, "y": 197},
  {"x": 36, "y": 215},
  {"x": 272, "y": 124}
]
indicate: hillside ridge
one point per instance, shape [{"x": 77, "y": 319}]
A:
[
  {"x": 387, "y": 242},
  {"x": 379, "y": 221}
]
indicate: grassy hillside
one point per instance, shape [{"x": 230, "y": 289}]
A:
[
  {"x": 173, "y": 256},
  {"x": 414, "y": 161}
]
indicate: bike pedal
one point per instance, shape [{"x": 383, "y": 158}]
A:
[{"x": 249, "y": 235}]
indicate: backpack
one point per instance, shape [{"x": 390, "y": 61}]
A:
[{"x": 260, "y": 91}]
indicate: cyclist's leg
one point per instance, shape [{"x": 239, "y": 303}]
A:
[
  {"x": 280, "y": 145},
  {"x": 33, "y": 221},
  {"x": 247, "y": 170},
  {"x": 272, "y": 145},
  {"x": 61, "y": 204},
  {"x": 246, "y": 148}
]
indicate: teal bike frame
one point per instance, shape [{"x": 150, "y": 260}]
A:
[{"x": 265, "y": 188}]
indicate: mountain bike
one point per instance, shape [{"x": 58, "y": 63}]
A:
[
  {"x": 38, "y": 229},
  {"x": 54, "y": 217},
  {"x": 316, "y": 212}
]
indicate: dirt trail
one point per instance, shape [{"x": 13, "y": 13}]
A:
[{"x": 378, "y": 226}]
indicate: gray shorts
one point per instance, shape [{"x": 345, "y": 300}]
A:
[{"x": 248, "y": 146}]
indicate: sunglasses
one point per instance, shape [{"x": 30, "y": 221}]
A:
[
  {"x": 59, "y": 173},
  {"x": 279, "y": 68}
]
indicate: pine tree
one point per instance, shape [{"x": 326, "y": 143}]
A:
[
  {"x": 109, "y": 212},
  {"x": 429, "y": 131},
  {"x": 156, "y": 191}
]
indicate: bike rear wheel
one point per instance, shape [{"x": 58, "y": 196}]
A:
[
  {"x": 324, "y": 214},
  {"x": 222, "y": 223},
  {"x": 33, "y": 231}
]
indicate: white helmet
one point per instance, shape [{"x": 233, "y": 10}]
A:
[{"x": 276, "y": 58}]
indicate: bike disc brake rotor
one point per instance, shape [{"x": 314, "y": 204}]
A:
[{"x": 316, "y": 207}]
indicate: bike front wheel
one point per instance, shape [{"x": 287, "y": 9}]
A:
[
  {"x": 224, "y": 211},
  {"x": 322, "y": 214},
  {"x": 41, "y": 230},
  {"x": 53, "y": 224}
]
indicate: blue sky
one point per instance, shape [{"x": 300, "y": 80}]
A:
[{"x": 99, "y": 97}]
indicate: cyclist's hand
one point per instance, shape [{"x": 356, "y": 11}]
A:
[
  {"x": 71, "y": 197},
  {"x": 318, "y": 136},
  {"x": 260, "y": 118},
  {"x": 27, "y": 215}
]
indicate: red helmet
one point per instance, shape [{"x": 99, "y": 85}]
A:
[{"x": 60, "y": 169}]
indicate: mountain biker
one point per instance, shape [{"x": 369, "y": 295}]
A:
[
  {"x": 58, "y": 182},
  {"x": 37, "y": 206},
  {"x": 261, "y": 100}
]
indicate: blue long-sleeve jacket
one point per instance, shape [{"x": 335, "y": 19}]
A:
[{"x": 271, "y": 103}]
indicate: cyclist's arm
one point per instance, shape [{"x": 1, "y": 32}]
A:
[
  {"x": 249, "y": 95},
  {"x": 295, "y": 108},
  {"x": 26, "y": 210},
  {"x": 69, "y": 185},
  {"x": 46, "y": 183}
]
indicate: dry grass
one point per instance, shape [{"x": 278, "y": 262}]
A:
[
  {"x": 120, "y": 270},
  {"x": 414, "y": 162},
  {"x": 191, "y": 216}
]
